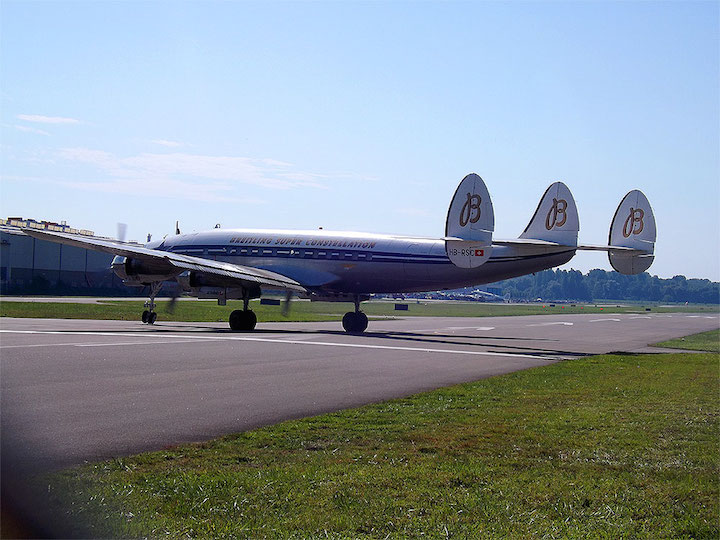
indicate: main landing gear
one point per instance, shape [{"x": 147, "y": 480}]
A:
[
  {"x": 149, "y": 316},
  {"x": 355, "y": 322},
  {"x": 243, "y": 320}
]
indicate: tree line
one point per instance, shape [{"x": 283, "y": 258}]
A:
[{"x": 602, "y": 285}]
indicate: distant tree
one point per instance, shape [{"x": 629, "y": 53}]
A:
[{"x": 599, "y": 284}]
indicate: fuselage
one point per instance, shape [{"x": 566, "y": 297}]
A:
[{"x": 357, "y": 263}]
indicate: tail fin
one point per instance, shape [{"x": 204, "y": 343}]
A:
[
  {"x": 633, "y": 226},
  {"x": 556, "y": 218},
  {"x": 470, "y": 224}
]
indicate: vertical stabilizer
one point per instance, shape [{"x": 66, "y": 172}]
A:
[
  {"x": 470, "y": 224},
  {"x": 633, "y": 226},
  {"x": 556, "y": 217}
]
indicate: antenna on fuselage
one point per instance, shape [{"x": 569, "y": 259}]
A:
[{"x": 177, "y": 227}]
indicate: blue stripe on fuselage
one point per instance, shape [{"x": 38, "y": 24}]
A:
[{"x": 265, "y": 251}]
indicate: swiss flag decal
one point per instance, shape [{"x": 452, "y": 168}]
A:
[{"x": 479, "y": 252}]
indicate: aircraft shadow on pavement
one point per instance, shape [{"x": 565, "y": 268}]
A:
[{"x": 496, "y": 344}]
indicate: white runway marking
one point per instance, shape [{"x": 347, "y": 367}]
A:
[
  {"x": 39, "y": 345},
  {"x": 483, "y": 328},
  {"x": 551, "y": 324},
  {"x": 641, "y": 317},
  {"x": 125, "y": 343},
  {"x": 601, "y": 320},
  {"x": 284, "y": 341}
]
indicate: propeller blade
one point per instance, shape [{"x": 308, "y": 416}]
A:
[
  {"x": 121, "y": 231},
  {"x": 285, "y": 309},
  {"x": 171, "y": 305},
  {"x": 175, "y": 291}
]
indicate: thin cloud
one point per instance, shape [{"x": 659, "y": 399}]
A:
[
  {"x": 40, "y": 119},
  {"x": 216, "y": 192},
  {"x": 169, "y": 144},
  {"x": 186, "y": 175},
  {"x": 28, "y": 129}
]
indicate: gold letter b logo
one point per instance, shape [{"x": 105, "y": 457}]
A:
[{"x": 470, "y": 212}]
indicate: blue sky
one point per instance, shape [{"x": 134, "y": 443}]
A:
[{"x": 362, "y": 116}]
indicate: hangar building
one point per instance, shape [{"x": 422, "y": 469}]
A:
[{"x": 32, "y": 266}]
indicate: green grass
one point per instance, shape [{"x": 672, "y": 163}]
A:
[
  {"x": 603, "y": 447},
  {"x": 704, "y": 341},
  {"x": 305, "y": 311}
]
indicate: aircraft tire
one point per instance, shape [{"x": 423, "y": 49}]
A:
[
  {"x": 145, "y": 316},
  {"x": 348, "y": 320},
  {"x": 355, "y": 323},
  {"x": 235, "y": 320},
  {"x": 242, "y": 321},
  {"x": 250, "y": 320},
  {"x": 362, "y": 322},
  {"x": 152, "y": 317}
]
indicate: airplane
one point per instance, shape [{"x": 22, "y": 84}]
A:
[{"x": 350, "y": 266}]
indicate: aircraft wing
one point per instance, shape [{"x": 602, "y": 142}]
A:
[{"x": 244, "y": 274}]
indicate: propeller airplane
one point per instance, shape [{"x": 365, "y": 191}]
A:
[{"x": 350, "y": 266}]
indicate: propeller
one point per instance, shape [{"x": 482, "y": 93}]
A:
[
  {"x": 285, "y": 308},
  {"x": 121, "y": 231},
  {"x": 175, "y": 291}
]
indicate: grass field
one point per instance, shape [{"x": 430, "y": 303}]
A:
[
  {"x": 308, "y": 311},
  {"x": 602, "y": 447},
  {"x": 704, "y": 341}
]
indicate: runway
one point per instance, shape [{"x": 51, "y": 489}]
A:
[{"x": 85, "y": 390}]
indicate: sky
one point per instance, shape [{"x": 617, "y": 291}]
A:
[{"x": 362, "y": 116}]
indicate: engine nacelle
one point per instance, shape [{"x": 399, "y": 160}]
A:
[
  {"x": 136, "y": 271},
  {"x": 210, "y": 284}
]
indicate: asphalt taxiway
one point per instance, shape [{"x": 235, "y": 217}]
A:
[{"x": 77, "y": 390}]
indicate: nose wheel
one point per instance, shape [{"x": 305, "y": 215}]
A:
[{"x": 149, "y": 317}]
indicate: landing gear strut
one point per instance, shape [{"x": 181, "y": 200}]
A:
[
  {"x": 355, "y": 322},
  {"x": 149, "y": 316},
  {"x": 243, "y": 320}
]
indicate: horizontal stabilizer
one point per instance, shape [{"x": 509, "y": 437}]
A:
[
  {"x": 619, "y": 249},
  {"x": 523, "y": 242}
]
